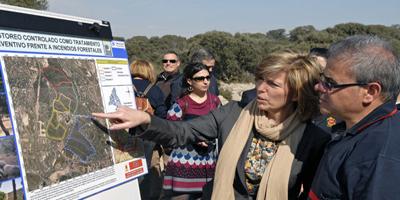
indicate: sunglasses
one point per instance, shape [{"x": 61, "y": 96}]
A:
[
  {"x": 166, "y": 60},
  {"x": 328, "y": 83},
  {"x": 201, "y": 78}
]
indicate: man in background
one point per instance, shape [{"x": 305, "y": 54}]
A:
[
  {"x": 321, "y": 54},
  {"x": 248, "y": 96},
  {"x": 325, "y": 121},
  {"x": 171, "y": 64}
]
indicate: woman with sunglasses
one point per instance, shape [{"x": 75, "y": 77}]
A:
[
  {"x": 191, "y": 166},
  {"x": 269, "y": 149}
]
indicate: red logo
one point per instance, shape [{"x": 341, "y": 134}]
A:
[
  {"x": 135, "y": 164},
  {"x": 134, "y": 172},
  {"x": 330, "y": 121}
]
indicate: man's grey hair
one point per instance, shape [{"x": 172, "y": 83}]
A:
[
  {"x": 171, "y": 52},
  {"x": 201, "y": 54},
  {"x": 371, "y": 59}
]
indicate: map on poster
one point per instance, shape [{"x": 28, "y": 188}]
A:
[{"x": 51, "y": 145}]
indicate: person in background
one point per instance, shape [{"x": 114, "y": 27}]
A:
[
  {"x": 321, "y": 54},
  {"x": 143, "y": 76},
  {"x": 398, "y": 102},
  {"x": 171, "y": 64},
  {"x": 200, "y": 56},
  {"x": 248, "y": 96},
  {"x": 360, "y": 84},
  {"x": 325, "y": 121},
  {"x": 191, "y": 166},
  {"x": 268, "y": 149}
]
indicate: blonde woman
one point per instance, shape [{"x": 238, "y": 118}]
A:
[
  {"x": 143, "y": 77},
  {"x": 269, "y": 149}
]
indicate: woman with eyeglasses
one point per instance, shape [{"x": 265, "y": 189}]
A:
[
  {"x": 191, "y": 166},
  {"x": 269, "y": 149}
]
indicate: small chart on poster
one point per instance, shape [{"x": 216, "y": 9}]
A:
[
  {"x": 116, "y": 84},
  {"x": 113, "y": 72}
]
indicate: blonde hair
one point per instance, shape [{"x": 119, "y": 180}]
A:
[
  {"x": 143, "y": 69},
  {"x": 303, "y": 73}
]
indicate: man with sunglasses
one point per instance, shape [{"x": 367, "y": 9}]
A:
[
  {"x": 360, "y": 84},
  {"x": 170, "y": 63}
]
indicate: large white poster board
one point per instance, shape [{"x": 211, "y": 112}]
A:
[{"x": 54, "y": 149}]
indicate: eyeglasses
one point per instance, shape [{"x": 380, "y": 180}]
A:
[
  {"x": 166, "y": 60},
  {"x": 201, "y": 78},
  {"x": 328, "y": 83}
]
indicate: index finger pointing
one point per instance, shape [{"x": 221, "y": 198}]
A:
[{"x": 105, "y": 115}]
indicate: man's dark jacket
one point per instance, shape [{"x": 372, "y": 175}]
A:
[
  {"x": 248, "y": 96},
  {"x": 362, "y": 162},
  {"x": 164, "y": 81}
]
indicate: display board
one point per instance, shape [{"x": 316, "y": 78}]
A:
[{"x": 54, "y": 75}]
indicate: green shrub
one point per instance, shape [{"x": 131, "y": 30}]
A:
[{"x": 225, "y": 93}]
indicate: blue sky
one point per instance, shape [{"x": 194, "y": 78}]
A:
[{"x": 190, "y": 17}]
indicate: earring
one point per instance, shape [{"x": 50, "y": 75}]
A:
[{"x": 190, "y": 89}]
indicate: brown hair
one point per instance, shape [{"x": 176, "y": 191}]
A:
[
  {"x": 302, "y": 75},
  {"x": 143, "y": 69}
]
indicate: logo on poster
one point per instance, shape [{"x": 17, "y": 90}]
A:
[{"x": 133, "y": 168}]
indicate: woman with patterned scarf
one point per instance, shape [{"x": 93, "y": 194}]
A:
[
  {"x": 269, "y": 149},
  {"x": 191, "y": 166}
]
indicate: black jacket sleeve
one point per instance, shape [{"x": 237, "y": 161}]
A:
[
  {"x": 206, "y": 127},
  {"x": 156, "y": 98},
  {"x": 176, "y": 91}
]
